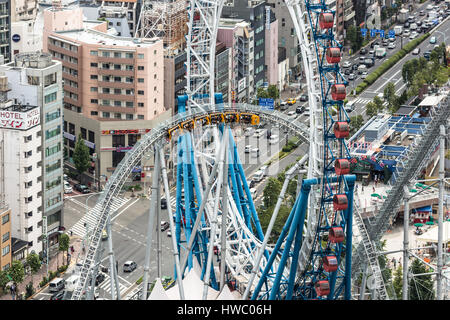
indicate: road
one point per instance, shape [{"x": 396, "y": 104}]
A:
[{"x": 394, "y": 74}]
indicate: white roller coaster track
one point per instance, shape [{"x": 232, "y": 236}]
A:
[{"x": 144, "y": 147}]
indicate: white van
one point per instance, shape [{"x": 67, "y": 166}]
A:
[
  {"x": 349, "y": 106},
  {"x": 248, "y": 131},
  {"x": 362, "y": 68},
  {"x": 253, "y": 193},
  {"x": 264, "y": 169},
  {"x": 56, "y": 285},
  {"x": 258, "y": 176},
  {"x": 255, "y": 152},
  {"x": 71, "y": 282}
]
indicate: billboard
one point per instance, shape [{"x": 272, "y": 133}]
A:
[{"x": 20, "y": 120}]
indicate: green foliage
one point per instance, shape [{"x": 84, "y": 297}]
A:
[
  {"x": 29, "y": 290},
  {"x": 271, "y": 192},
  {"x": 17, "y": 272},
  {"x": 398, "y": 282},
  {"x": 3, "y": 279},
  {"x": 273, "y": 91},
  {"x": 261, "y": 93},
  {"x": 371, "y": 109},
  {"x": 266, "y": 215},
  {"x": 356, "y": 122},
  {"x": 81, "y": 158},
  {"x": 33, "y": 262},
  {"x": 421, "y": 287}
]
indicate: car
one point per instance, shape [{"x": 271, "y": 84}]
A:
[
  {"x": 247, "y": 148},
  {"x": 255, "y": 152},
  {"x": 385, "y": 42},
  {"x": 283, "y": 106},
  {"x": 406, "y": 25},
  {"x": 291, "y": 101},
  {"x": 300, "y": 109},
  {"x": 100, "y": 278},
  {"x": 419, "y": 23},
  {"x": 435, "y": 46},
  {"x": 351, "y": 76},
  {"x": 164, "y": 225},
  {"x": 416, "y": 51},
  {"x": 163, "y": 203},
  {"x": 371, "y": 52},
  {"x": 82, "y": 188},
  {"x": 65, "y": 177},
  {"x": 406, "y": 33},
  {"x": 364, "y": 75},
  {"x": 429, "y": 7},
  {"x": 375, "y": 43},
  {"x": 104, "y": 235},
  {"x": 169, "y": 234},
  {"x": 259, "y": 132},
  {"x": 304, "y": 97},
  {"x": 291, "y": 113},
  {"x": 347, "y": 71},
  {"x": 413, "y": 35},
  {"x": 355, "y": 67},
  {"x": 427, "y": 54},
  {"x": 421, "y": 13},
  {"x": 363, "y": 51},
  {"x": 433, "y": 39},
  {"x": 392, "y": 39},
  {"x": 129, "y": 266},
  {"x": 58, "y": 295},
  {"x": 346, "y": 64},
  {"x": 67, "y": 187},
  {"x": 391, "y": 45},
  {"x": 361, "y": 59}
]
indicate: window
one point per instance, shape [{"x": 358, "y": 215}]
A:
[
  {"x": 117, "y": 79},
  {"x": 117, "y": 103},
  {"x": 94, "y": 64},
  {"x": 52, "y": 133},
  {"x": 52, "y": 150},
  {"x": 94, "y": 77},
  {"x": 52, "y": 166},
  {"x": 117, "y": 116},
  {"x": 141, "y": 80},
  {"x": 28, "y": 184},
  {"x": 105, "y": 114},
  {"x": 141, "y": 92},
  {"x": 95, "y": 101},
  {"x": 94, "y": 53},
  {"x": 140, "y": 68},
  {"x": 94, "y": 89},
  {"x": 50, "y": 97},
  {"x": 154, "y": 88},
  {"x": 83, "y": 133},
  {"x": 129, "y": 67},
  {"x": 129, "y": 116},
  {"x": 5, "y": 218},
  {"x": 140, "y": 56},
  {"x": 105, "y": 54},
  {"x": 117, "y": 67},
  {"x": 106, "y": 102},
  {"x": 105, "y": 65},
  {"x": 117, "y": 91},
  {"x": 5, "y": 250},
  {"x": 129, "y": 104},
  {"x": 106, "y": 90},
  {"x": 28, "y": 199},
  {"x": 140, "y": 104},
  {"x": 141, "y": 116},
  {"x": 94, "y": 113},
  {"x": 117, "y": 54},
  {"x": 52, "y": 115},
  {"x": 5, "y": 237},
  {"x": 129, "y": 55}
]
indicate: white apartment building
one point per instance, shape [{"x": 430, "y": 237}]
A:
[
  {"x": 21, "y": 172},
  {"x": 36, "y": 79}
]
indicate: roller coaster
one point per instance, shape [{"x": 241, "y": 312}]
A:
[{"x": 320, "y": 252}]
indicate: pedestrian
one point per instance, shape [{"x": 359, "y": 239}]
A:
[
  {"x": 394, "y": 262},
  {"x": 117, "y": 266},
  {"x": 71, "y": 233}
]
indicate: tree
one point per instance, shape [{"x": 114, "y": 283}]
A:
[
  {"x": 378, "y": 104},
  {"x": 64, "y": 242},
  {"x": 356, "y": 122},
  {"x": 389, "y": 93},
  {"x": 17, "y": 273},
  {"x": 34, "y": 263},
  {"x": 261, "y": 93},
  {"x": 420, "y": 287},
  {"x": 398, "y": 282},
  {"x": 371, "y": 109},
  {"x": 273, "y": 92},
  {"x": 81, "y": 157},
  {"x": 271, "y": 192},
  {"x": 4, "y": 279}
]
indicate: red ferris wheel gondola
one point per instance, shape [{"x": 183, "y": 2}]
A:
[
  {"x": 322, "y": 288},
  {"x": 326, "y": 20},
  {"x": 336, "y": 235},
  {"x": 330, "y": 263},
  {"x": 341, "y": 129},
  {"x": 333, "y": 55},
  {"x": 338, "y": 92},
  {"x": 340, "y": 202},
  {"x": 342, "y": 166}
]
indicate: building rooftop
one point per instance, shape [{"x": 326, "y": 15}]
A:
[
  {"x": 19, "y": 108},
  {"x": 97, "y": 37}
]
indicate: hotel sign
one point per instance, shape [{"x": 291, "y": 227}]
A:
[{"x": 19, "y": 120}]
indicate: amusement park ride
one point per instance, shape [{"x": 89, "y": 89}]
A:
[{"x": 316, "y": 255}]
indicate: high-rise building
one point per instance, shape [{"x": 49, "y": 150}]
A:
[
  {"x": 111, "y": 84},
  {"x": 21, "y": 174},
  {"x": 5, "y": 29},
  {"x": 253, "y": 12},
  {"x": 35, "y": 79}
]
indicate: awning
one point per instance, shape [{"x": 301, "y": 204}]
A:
[{"x": 423, "y": 209}]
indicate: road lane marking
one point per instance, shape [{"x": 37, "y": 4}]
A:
[{"x": 136, "y": 200}]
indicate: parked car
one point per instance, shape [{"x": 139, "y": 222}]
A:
[
  {"x": 433, "y": 39},
  {"x": 82, "y": 188},
  {"x": 163, "y": 203},
  {"x": 304, "y": 97},
  {"x": 247, "y": 148},
  {"x": 67, "y": 187},
  {"x": 129, "y": 266},
  {"x": 164, "y": 225}
]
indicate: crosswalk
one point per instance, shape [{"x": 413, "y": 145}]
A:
[
  {"x": 106, "y": 285},
  {"x": 362, "y": 100},
  {"x": 92, "y": 215}
]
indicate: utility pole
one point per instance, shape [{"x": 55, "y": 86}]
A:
[{"x": 439, "y": 276}]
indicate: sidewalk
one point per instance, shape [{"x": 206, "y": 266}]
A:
[{"x": 75, "y": 241}]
